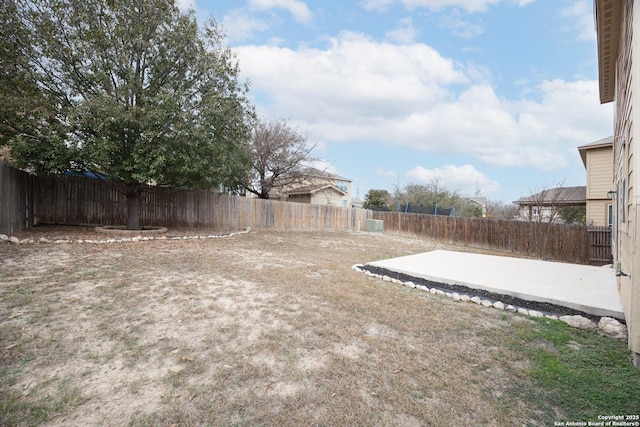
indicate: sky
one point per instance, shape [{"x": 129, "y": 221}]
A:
[{"x": 484, "y": 97}]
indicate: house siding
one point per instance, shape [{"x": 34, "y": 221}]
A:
[
  {"x": 599, "y": 183},
  {"x": 323, "y": 197},
  {"x": 625, "y": 164},
  {"x": 327, "y": 197}
]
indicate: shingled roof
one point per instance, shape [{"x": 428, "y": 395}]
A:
[
  {"x": 312, "y": 189},
  {"x": 556, "y": 196}
]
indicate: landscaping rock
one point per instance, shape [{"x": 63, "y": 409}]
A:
[
  {"x": 455, "y": 296},
  {"x": 3, "y": 237},
  {"x": 486, "y": 303},
  {"x": 499, "y": 305},
  {"x": 465, "y": 298},
  {"x": 611, "y": 327},
  {"x": 523, "y": 311},
  {"x": 579, "y": 322},
  {"x": 535, "y": 313},
  {"x": 477, "y": 300},
  {"x": 14, "y": 240}
]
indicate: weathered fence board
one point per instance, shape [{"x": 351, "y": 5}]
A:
[
  {"x": 16, "y": 200},
  {"x": 81, "y": 200},
  {"x": 559, "y": 242},
  {"x": 600, "y": 244}
]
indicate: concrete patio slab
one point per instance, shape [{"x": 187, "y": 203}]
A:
[{"x": 588, "y": 289}]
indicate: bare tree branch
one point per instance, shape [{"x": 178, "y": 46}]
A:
[{"x": 280, "y": 155}]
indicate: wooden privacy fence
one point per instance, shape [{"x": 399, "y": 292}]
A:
[
  {"x": 600, "y": 245},
  {"x": 558, "y": 242},
  {"x": 16, "y": 199},
  {"x": 79, "y": 200}
]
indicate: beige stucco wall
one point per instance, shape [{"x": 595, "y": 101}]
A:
[
  {"x": 625, "y": 165},
  {"x": 599, "y": 182},
  {"x": 344, "y": 201},
  {"x": 322, "y": 197},
  {"x": 327, "y": 197}
]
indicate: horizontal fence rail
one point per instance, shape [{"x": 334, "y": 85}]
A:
[{"x": 25, "y": 199}]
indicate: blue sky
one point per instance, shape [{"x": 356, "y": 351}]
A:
[{"x": 488, "y": 97}]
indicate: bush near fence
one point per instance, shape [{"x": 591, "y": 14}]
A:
[{"x": 81, "y": 200}]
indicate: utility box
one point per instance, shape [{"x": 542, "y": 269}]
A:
[{"x": 374, "y": 225}]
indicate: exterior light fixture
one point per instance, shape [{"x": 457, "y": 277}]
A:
[{"x": 611, "y": 194}]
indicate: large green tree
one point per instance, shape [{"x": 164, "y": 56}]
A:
[
  {"x": 133, "y": 89},
  {"x": 29, "y": 117},
  {"x": 376, "y": 199}
]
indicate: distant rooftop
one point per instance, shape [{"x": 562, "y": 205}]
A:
[{"x": 556, "y": 196}]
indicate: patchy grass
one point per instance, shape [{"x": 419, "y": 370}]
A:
[
  {"x": 274, "y": 328},
  {"x": 583, "y": 373}
]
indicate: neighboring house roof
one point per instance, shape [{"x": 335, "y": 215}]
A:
[
  {"x": 312, "y": 189},
  {"x": 601, "y": 143},
  {"x": 317, "y": 173},
  {"x": 482, "y": 201},
  {"x": 556, "y": 196},
  {"x": 608, "y": 18},
  {"x": 88, "y": 174}
]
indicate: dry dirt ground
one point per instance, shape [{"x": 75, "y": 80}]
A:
[{"x": 264, "y": 328}]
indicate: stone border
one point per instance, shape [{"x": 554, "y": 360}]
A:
[
  {"x": 121, "y": 230},
  {"x": 137, "y": 238},
  {"x": 605, "y": 325}
]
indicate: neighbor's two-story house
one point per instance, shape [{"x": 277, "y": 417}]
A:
[
  {"x": 597, "y": 158},
  {"x": 618, "y": 32},
  {"x": 316, "y": 187},
  {"x": 545, "y": 206}
]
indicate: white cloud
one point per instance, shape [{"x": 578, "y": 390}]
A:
[
  {"x": 353, "y": 80},
  {"x": 581, "y": 13},
  {"x": 298, "y": 9},
  {"x": 459, "y": 26},
  {"x": 470, "y": 6},
  {"x": 240, "y": 25},
  {"x": 185, "y": 5},
  {"x": 465, "y": 179},
  {"x": 359, "y": 90},
  {"x": 404, "y": 33},
  {"x": 376, "y": 5},
  {"x": 385, "y": 172}
]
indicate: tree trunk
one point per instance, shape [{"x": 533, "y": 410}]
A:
[{"x": 134, "y": 196}]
